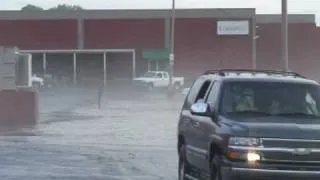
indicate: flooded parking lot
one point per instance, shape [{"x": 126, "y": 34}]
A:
[{"x": 132, "y": 136}]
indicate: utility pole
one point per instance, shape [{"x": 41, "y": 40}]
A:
[
  {"x": 254, "y": 42},
  {"x": 171, "y": 58},
  {"x": 284, "y": 25}
]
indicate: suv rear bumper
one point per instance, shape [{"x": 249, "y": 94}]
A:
[{"x": 270, "y": 171}]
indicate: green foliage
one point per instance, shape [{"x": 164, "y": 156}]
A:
[
  {"x": 66, "y": 7},
  {"x": 60, "y": 7},
  {"x": 31, "y": 7}
]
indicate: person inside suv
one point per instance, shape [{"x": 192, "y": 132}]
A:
[{"x": 268, "y": 98}]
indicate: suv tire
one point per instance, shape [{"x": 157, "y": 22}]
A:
[
  {"x": 183, "y": 164},
  {"x": 215, "y": 168}
]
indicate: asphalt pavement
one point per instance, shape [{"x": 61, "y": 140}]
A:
[{"x": 131, "y": 137}]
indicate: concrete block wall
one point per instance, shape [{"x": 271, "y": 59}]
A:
[{"x": 17, "y": 106}]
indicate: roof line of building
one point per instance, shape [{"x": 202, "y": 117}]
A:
[
  {"x": 218, "y": 13},
  {"x": 129, "y": 14},
  {"x": 292, "y": 18},
  {"x": 78, "y": 51}
]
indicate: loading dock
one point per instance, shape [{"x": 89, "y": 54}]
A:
[{"x": 89, "y": 59}]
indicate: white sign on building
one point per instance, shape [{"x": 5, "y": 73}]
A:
[{"x": 233, "y": 27}]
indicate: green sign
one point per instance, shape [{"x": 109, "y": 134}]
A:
[{"x": 156, "y": 54}]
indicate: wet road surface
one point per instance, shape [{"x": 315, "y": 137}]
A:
[{"x": 132, "y": 137}]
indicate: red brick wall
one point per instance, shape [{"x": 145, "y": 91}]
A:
[
  {"x": 304, "y": 42},
  {"x": 126, "y": 34},
  {"x": 122, "y": 34},
  {"x": 198, "y": 48},
  {"x": 39, "y": 34}
]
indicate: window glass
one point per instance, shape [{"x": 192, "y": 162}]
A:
[
  {"x": 213, "y": 94},
  {"x": 193, "y": 92},
  {"x": 149, "y": 74},
  {"x": 203, "y": 91},
  {"x": 311, "y": 104},
  {"x": 271, "y": 98}
]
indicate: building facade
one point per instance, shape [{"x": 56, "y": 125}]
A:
[{"x": 113, "y": 44}]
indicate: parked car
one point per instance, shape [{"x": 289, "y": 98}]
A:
[
  {"x": 37, "y": 81},
  {"x": 245, "y": 124},
  {"x": 158, "y": 79}
]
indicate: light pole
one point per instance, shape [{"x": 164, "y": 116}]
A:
[
  {"x": 284, "y": 25},
  {"x": 254, "y": 42},
  {"x": 171, "y": 58}
]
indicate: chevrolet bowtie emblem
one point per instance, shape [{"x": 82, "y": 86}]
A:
[{"x": 301, "y": 151}]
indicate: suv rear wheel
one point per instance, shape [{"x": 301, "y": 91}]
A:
[{"x": 183, "y": 164}]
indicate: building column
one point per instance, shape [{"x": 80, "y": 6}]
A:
[
  {"x": 29, "y": 69},
  {"x": 104, "y": 68},
  {"x": 44, "y": 63},
  {"x": 74, "y": 68},
  {"x": 80, "y": 32},
  {"x": 149, "y": 65},
  {"x": 157, "y": 65},
  {"x": 167, "y": 30},
  {"x": 134, "y": 64}
]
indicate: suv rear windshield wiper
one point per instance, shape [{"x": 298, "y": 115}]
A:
[
  {"x": 260, "y": 113},
  {"x": 298, "y": 114}
]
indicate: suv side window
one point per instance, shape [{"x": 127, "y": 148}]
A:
[
  {"x": 213, "y": 94},
  {"x": 203, "y": 90},
  {"x": 193, "y": 92}
]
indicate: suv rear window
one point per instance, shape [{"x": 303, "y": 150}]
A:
[{"x": 273, "y": 98}]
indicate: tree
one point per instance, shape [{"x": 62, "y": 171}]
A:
[
  {"x": 66, "y": 7},
  {"x": 60, "y": 7},
  {"x": 31, "y": 7}
]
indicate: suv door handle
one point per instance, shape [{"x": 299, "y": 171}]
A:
[{"x": 196, "y": 124}]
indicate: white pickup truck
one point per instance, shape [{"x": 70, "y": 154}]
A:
[
  {"x": 37, "y": 81},
  {"x": 158, "y": 79}
]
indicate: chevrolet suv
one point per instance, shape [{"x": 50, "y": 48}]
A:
[{"x": 250, "y": 124}]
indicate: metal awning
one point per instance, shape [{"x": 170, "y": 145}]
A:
[
  {"x": 78, "y": 51},
  {"x": 156, "y": 54},
  {"x": 75, "y": 53}
]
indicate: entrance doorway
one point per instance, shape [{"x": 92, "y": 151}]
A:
[{"x": 157, "y": 65}]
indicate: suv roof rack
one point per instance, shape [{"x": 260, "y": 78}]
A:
[{"x": 223, "y": 72}]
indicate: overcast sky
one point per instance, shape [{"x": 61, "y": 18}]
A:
[{"x": 263, "y": 6}]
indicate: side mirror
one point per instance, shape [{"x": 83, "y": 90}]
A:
[{"x": 200, "y": 108}]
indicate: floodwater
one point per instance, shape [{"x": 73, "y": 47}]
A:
[{"x": 132, "y": 137}]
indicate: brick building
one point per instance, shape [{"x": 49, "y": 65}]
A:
[{"x": 120, "y": 44}]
